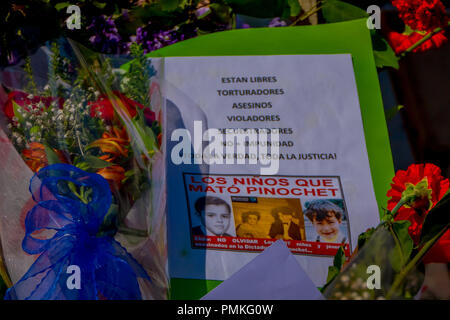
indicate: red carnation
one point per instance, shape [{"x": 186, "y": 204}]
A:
[
  {"x": 401, "y": 42},
  {"x": 104, "y": 106},
  {"x": 106, "y": 109},
  {"x": 22, "y": 99},
  {"x": 440, "y": 252},
  {"x": 423, "y": 15},
  {"x": 416, "y": 212},
  {"x": 150, "y": 116}
]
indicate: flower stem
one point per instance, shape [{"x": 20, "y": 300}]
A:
[
  {"x": 4, "y": 273},
  {"x": 397, "y": 241},
  {"x": 132, "y": 231},
  {"x": 309, "y": 13},
  {"x": 425, "y": 38},
  {"x": 398, "y": 206},
  {"x": 404, "y": 272}
]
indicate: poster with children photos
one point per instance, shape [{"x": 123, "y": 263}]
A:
[{"x": 319, "y": 196}]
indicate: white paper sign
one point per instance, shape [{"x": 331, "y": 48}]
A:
[
  {"x": 287, "y": 279},
  {"x": 316, "y": 192}
]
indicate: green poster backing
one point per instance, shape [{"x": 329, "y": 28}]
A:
[{"x": 351, "y": 37}]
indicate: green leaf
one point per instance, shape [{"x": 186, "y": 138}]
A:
[
  {"x": 17, "y": 114},
  {"x": 35, "y": 129},
  {"x": 437, "y": 219},
  {"x": 382, "y": 51},
  {"x": 52, "y": 157},
  {"x": 332, "y": 273},
  {"x": 335, "y": 269},
  {"x": 100, "y": 5},
  {"x": 169, "y": 5},
  {"x": 402, "y": 250},
  {"x": 146, "y": 135},
  {"x": 294, "y": 7},
  {"x": 386, "y": 58},
  {"x": 83, "y": 166},
  {"x": 61, "y": 5},
  {"x": 339, "y": 258},
  {"x": 390, "y": 114},
  {"x": 109, "y": 224},
  {"x": 72, "y": 187},
  {"x": 338, "y": 11},
  {"x": 408, "y": 30},
  {"x": 364, "y": 237},
  {"x": 96, "y": 163},
  {"x": 259, "y": 8},
  {"x": 223, "y": 12},
  {"x": 3, "y": 288}
]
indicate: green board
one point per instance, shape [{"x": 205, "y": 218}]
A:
[{"x": 351, "y": 37}]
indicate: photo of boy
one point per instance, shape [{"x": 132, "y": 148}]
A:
[
  {"x": 249, "y": 227},
  {"x": 214, "y": 214},
  {"x": 326, "y": 218},
  {"x": 283, "y": 227}
]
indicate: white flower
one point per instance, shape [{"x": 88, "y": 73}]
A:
[
  {"x": 354, "y": 295},
  {"x": 345, "y": 279}
]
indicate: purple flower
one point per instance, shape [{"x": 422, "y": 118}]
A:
[
  {"x": 153, "y": 40},
  {"x": 202, "y": 11},
  {"x": 277, "y": 22},
  {"x": 13, "y": 58},
  {"x": 105, "y": 36}
]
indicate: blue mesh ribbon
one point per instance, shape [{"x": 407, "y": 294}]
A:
[{"x": 63, "y": 227}]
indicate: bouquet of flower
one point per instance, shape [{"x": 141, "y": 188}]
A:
[
  {"x": 414, "y": 230},
  {"x": 89, "y": 134}
]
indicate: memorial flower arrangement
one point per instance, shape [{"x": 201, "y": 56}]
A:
[
  {"x": 425, "y": 22},
  {"x": 414, "y": 230},
  {"x": 90, "y": 138},
  {"x": 111, "y": 28},
  {"x": 91, "y": 148}
]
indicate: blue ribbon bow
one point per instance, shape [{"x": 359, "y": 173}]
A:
[{"x": 71, "y": 206}]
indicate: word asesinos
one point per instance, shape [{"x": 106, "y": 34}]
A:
[{"x": 257, "y": 141}]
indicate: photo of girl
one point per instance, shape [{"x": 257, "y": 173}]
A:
[{"x": 249, "y": 227}]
